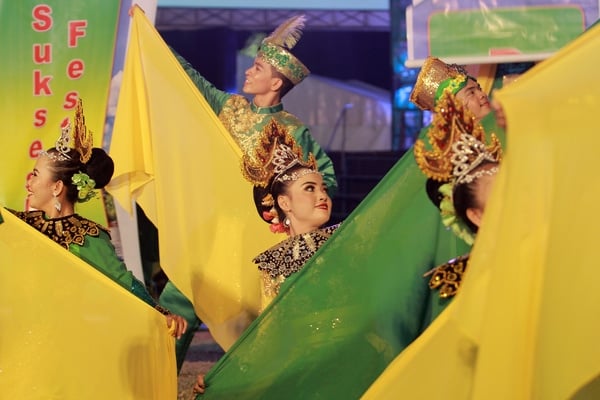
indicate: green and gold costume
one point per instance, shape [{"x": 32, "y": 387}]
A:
[
  {"x": 90, "y": 242},
  {"x": 245, "y": 121}
]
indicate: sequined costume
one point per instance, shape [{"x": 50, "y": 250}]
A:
[
  {"x": 288, "y": 257},
  {"x": 444, "y": 282},
  {"x": 90, "y": 242},
  {"x": 245, "y": 121}
]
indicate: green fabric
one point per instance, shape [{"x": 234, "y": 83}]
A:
[
  {"x": 176, "y": 302},
  {"x": 228, "y": 106},
  {"x": 219, "y": 101},
  {"x": 356, "y": 304},
  {"x": 100, "y": 253}
]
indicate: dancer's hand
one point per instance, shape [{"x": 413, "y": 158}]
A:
[
  {"x": 199, "y": 385},
  {"x": 133, "y": 7},
  {"x": 177, "y": 325}
]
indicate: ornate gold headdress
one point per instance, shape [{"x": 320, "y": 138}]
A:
[
  {"x": 275, "y": 49},
  {"x": 275, "y": 153},
  {"x": 458, "y": 144},
  {"x": 434, "y": 76},
  {"x": 458, "y": 148},
  {"x": 82, "y": 139}
]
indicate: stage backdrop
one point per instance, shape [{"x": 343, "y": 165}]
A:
[{"x": 488, "y": 32}]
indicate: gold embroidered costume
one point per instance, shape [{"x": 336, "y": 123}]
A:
[
  {"x": 64, "y": 231},
  {"x": 448, "y": 277},
  {"x": 288, "y": 257}
]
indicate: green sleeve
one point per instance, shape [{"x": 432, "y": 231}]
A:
[
  {"x": 324, "y": 163},
  {"x": 100, "y": 253},
  {"x": 215, "y": 97}
]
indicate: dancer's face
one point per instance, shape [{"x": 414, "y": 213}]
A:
[
  {"x": 474, "y": 99},
  {"x": 306, "y": 203},
  {"x": 260, "y": 79},
  {"x": 41, "y": 185}
]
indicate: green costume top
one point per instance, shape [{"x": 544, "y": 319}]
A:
[
  {"x": 245, "y": 121},
  {"x": 90, "y": 242}
]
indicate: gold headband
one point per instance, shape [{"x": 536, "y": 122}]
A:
[{"x": 433, "y": 72}]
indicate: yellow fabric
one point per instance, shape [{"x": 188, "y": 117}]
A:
[
  {"x": 69, "y": 332},
  {"x": 174, "y": 157},
  {"x": 525, "y": 324}
]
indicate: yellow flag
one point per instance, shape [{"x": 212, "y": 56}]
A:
[
  {"x": 70, "y": 332},
  {"x": 175, "y": 158},
  {"x": 525, "y": 324}
]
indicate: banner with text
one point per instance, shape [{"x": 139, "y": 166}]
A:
[{"x": 58, "y": 51}]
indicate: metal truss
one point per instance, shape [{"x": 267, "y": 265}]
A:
[{"x": 168, "y": 18}]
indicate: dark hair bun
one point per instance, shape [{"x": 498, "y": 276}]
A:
[
  {"x": 259, "y": 194},
  {"x": 433, "y": 191},
  {"x": 100, "y": 167}
]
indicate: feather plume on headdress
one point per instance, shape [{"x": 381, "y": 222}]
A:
[
  {"x": 275, "y": 49},
  {"x": 288, "y": 33}
]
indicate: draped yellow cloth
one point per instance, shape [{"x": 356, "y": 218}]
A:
[
  {"x": 174, "y": 157},
  {"x": 525, "y": 324},
  {"x": 69, "y": 332}
]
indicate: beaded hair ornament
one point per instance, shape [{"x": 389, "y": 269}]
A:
[
  {"x": 458, "y": 149},
  {"x": 83, "y": 143},
  {"x": 275, "y": 153}
]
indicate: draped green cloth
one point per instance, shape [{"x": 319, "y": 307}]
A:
[
  {"x": 525, "y": 324},
  {"x": 356, "y": 304}
]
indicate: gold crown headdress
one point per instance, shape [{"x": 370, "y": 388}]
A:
[
  {"x": 275, "y": 153},
  {"x": 82, "y": 139},
  {"x": 433, "y": 76},
  {"x": 458, "y": 144},
  {"x": 275, "y": 49}
]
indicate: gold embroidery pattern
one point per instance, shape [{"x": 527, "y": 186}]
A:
[
  {"x": 245, "y": 125},
  {"x": 241, "y": 122},
  {"x": 448, "y": 277},
  {"x": 65, "y": 230},
  {"x": 289, "y": 256}
]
